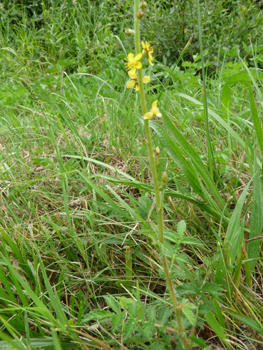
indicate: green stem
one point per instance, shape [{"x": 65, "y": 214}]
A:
[{"x": 155, "y": 177}]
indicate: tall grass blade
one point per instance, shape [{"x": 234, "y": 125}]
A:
[
  {"x": 213, "y": 323},
  {"x": 211, "y": 159},
  {"x": 234, "y": 233},
  {"x": 225, "y": 125},
  {"x": 188, "y": 151},
  {"x": 256, "y": 120},
  {"x": 256, "y": 222}
]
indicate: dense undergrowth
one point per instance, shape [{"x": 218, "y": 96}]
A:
[{"x": 79, "y": 261}]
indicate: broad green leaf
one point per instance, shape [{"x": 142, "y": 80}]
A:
[
  {"x": 147, "y": 330},
  {"x": 212, "y": 288},
  {"x": 98, "y": 315},
  {"x": 163, "y": 315},
  {"x": 151, "y": 313},
  {"x": 129, "y": 328},
  {"x": 113, "y": 303},
  {"x": 124, "y": 302},
  {"x": 116, "y": 322},
  {"x": 230, "y": 52},
  {"x": 187, "y": 288},
  {"x": 181, "y": 228},
  {"x": 189, "y": 314}
]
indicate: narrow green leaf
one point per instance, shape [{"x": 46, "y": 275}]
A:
[
  {"x": 103, "y": 195},
  {"x": 219, "y": 119},
  {"x": 256, "y": 218},
  {"x": 44, "y": 311},
  {"x": 234, "y": 230},
  {"x": 177, "y": 155},
  {"x": 198, "y": 341},
  {"x": 226, "y": 101},
  {"x": 213, "y": 323},
  {"x": 189, "y": 171},
  {"x": 256, "y": 120},
  {"x": 219, "y": 314},
  {"x": 247, "y": 321},
  {"x": 57, "y": 345}
]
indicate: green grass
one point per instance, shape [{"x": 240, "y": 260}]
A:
[{"x": 79, "y": 261}]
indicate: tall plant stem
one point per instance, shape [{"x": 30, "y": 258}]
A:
[
  {"x": 158, "y": 197},
  {"x": 211, "y": 159}
]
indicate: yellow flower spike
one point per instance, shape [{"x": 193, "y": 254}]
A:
[
  {"x": 133, "y": 62},
  {"x": 134, "y": 81},
  {"x": 147, "y": 51},
  {"x": 154, "y": 110}
]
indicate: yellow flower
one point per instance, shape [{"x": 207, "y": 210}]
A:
[
  {"x": 147, "y": 51},
  {"x": 154, "y": 110},
  {"x": 133, "y": 62},
  {"x": 134, "y": 81}
]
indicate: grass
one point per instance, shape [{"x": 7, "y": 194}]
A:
[{"x": 79, "y": 262}]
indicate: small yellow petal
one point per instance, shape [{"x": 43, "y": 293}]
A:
[
  {"x": 138, "y": 65},
  {"x": 154, "y": 104},
  {"x": 137, "y": 87},
  {"x": 133, "y": 71},
  {"x": 148, "y": 115},
  {"x": 150, "y": 58},
  {"x": 137, "y": 57},
  {"x": 132, "y": 75},
  {"x": 146, "y": 79},
  {"x": 130, "y": 84},
  {"x": 130, "y": 56}
]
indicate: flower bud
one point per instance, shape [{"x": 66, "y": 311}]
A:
[
  {"x": 129, "y": 32},
  {"x": 140, "y": 15},
  {"x": 143, "y": 5},
  {"x": 157, "y": 151},
  {"x": 164, "y": 179}
]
